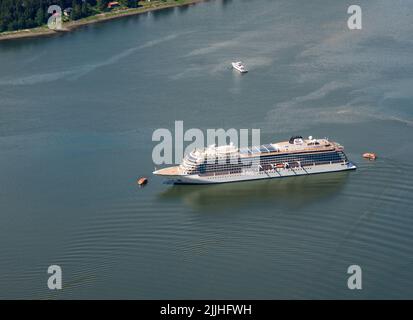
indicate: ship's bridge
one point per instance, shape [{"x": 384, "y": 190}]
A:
[
  {"x": 198, "y": 156},
  {"x": 213, "y": 152}
]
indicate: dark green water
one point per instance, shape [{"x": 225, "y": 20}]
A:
[{"x": 77, "y": 113}]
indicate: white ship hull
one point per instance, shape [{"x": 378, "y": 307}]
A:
[{"x": 246, "y": 176}]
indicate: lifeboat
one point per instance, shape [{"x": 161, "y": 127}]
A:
[
  {"x": 142, "y": 181},
  {"x": 369, "y": 156},
  {"x": 279, "y": 165}
]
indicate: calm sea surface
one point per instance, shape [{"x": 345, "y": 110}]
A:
[{"x": 77, "y": 113}]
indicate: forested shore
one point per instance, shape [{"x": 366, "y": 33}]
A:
[
  {"x": 28, "y": 18},
  {"x": 26, "y": 14}
]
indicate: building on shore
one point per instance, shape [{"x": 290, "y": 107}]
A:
[{"x": 113, "y": 4}]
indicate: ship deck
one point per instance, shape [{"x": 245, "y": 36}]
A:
[
  {"x": 285, "y": 147},
  {"x": 169, "y": 171}
]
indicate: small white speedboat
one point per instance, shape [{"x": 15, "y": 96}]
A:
[{"x": 239, "y": 66}]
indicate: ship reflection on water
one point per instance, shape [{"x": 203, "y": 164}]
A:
[{"x": 290, "y": 192}]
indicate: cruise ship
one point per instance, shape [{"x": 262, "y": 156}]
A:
[{"x": 294, "y": 157}]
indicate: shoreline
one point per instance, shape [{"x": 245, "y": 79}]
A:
[{"x": 70, "y": 26}]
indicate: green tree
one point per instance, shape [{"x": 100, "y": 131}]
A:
[
  {"x": 129, "y": 3},
  {"x": 132, "y": 3},
  {"x": 76, "y": 11},
  {"x": 85, "y": 11},
  {"x": 40, "y": 18},
  {"x": 102, "y": 4}
]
